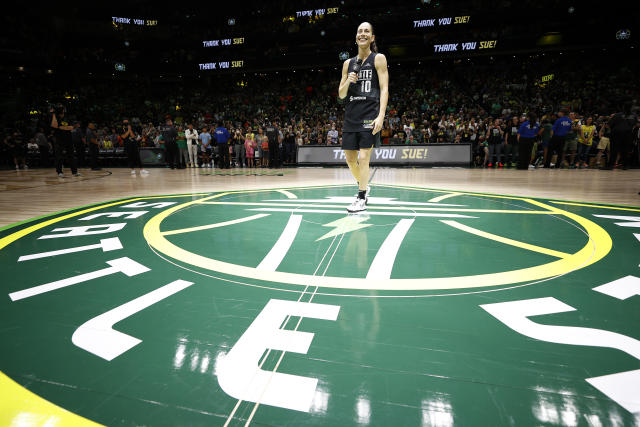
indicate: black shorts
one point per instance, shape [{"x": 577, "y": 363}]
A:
[{"x": 359, "y": 140}]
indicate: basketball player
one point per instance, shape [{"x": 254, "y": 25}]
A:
[{"x": 365, "y": 84}]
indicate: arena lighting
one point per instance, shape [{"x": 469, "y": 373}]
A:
[
  {"x": 49, "y": 71},
  {"x": 231, "y": 21},
  {"x": 623, "y": 34}
]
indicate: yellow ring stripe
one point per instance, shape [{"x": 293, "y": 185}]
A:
[
  {"x": 506, "y": 240},
  {"x": 20, "y": 407},
  {"x": 597, "y": 247}
]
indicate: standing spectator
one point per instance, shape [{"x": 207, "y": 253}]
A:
[
  {"x": 585, "y": 139},
  {"x": 192, "y": 145},
  {"x": 289, "y": 145},
  {"x": 526, "y": 133},
  {"x": 559, "y": 131},
  {"x": 249, "y": 147},
  {"x": 546, "y": 137},
  {"x": 332, "y": 136},
  {"x": 169, "y": 136},
  {"x": 131, "y": 147},
  {"x": 183, "y": 155},
  {"x": 222, "y": 137},
  {"x": 63, "y": 146},
  {"x": 205, "y": 147},
  {"x": 17, "y": 149},
  {"x": 239, "y": 149},
  {"x": 94, "y": 145},
  {"x": 44, "y": 148},
  {"x": 571, "y": 141},
  {"x": 604, "y": 143},
  {"x": 494, "y": 139},
  {"x": 621, "y": 137},
  {"x": 79, "y": 143},
  {"x": 272, "y": 133},
  {"x": 511, "y": 144}
]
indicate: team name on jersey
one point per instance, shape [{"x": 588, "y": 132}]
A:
[{"x": 365, "y": 74}]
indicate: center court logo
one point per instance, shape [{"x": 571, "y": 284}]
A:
[
  {"x": 411, "y": 242},
  {"x": 419, "y": 243}
]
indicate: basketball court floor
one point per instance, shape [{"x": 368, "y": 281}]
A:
[{"x": 196, "y": 298}]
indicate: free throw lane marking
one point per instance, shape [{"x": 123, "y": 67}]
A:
[
  {"x": 280, "y": 249},
  {"x": 209, "y": 226},
  {"x": 385, "y": 258},
  {"x": 505, "y": 240}
]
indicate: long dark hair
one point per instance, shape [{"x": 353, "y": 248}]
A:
[
  {"x": 374, "y": 47},
  {"x": 532, "y": 119}
]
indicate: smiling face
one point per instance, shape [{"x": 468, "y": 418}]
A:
[{"x": 364, "y": 35}]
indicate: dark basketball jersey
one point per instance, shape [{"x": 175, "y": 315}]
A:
[
  {"x": 272, "y": 133},
  {"x": 363, "y": 97}
]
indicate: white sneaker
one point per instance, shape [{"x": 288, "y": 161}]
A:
[
  {"x": 358, "y": 205},
  {"x": 531, "y": 167},
  {"x": 77, "y": 174},
  {"x": 133, "y": 172},
  {"x": 60, "y": 175},
  {"x": 144, "y": 172}
]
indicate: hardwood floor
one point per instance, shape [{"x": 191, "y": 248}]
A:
[{"x": 35, "y": 192}]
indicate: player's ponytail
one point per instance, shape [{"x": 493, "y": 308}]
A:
[{"x": 374, "y": 47}]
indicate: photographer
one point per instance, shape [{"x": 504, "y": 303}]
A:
[
  {"x": 63, "y": 147},
  {"x": 131, "y": 147}
]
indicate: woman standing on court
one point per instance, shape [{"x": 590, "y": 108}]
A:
[{"x": 365, "y": 84}]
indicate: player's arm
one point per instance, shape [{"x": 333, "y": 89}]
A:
[
  {"x": 383, "y": 80},
  {"x": 346, "y": 80}
]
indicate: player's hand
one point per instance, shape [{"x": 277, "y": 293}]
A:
[
  {"x": 377, "y": 124},
  {"x": 352, "y": 78}
]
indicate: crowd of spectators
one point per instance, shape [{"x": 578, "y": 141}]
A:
[{"x": 429, "y": 103}]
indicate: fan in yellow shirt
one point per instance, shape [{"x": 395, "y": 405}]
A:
[{"x": 585, "y": 138}]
